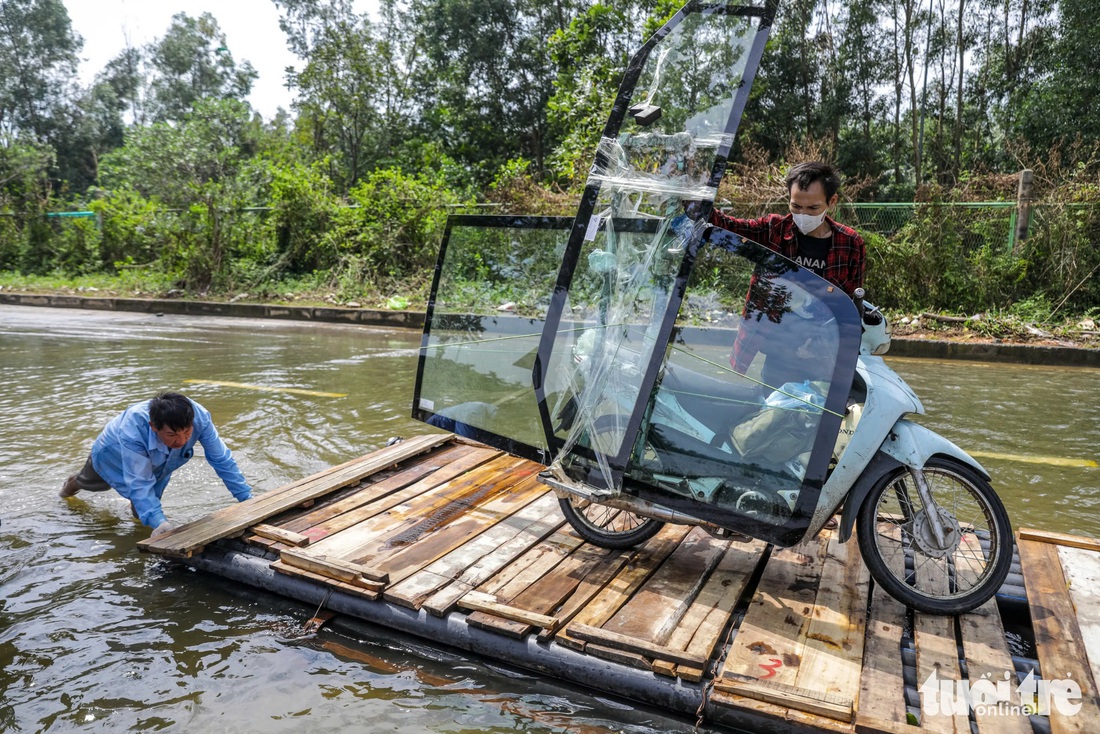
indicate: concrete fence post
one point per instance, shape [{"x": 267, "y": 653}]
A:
[{"x": 1023, "y": 208}]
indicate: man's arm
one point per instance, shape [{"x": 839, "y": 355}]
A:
[
  {"x": 221, "y": 459},
  {"x": 756, "y": 230},
  {"x": 139, "y": 485}
]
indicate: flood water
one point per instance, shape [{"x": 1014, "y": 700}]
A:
[{"x": 95, "y": 636}]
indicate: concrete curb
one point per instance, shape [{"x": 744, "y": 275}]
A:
[
  {"x": 922, "y": 348},
  {"x": 331, "y": 314}
]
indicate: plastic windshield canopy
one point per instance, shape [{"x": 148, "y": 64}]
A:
[
  {"x": 743, "y": 424},
  {"x": 743, "y": 421},
  {"x": 665, "y": 143}
]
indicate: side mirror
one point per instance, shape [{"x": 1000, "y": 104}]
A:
[{"x": 645, "y": 114}]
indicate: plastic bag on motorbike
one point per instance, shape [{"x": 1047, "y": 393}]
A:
[{"x": 785, "y": 427}]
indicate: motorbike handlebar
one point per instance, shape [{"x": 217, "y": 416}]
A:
[{"x": 871, "y": 317}]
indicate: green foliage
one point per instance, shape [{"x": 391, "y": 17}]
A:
[
  {"x": 589, "y": 58},
  {"x": 132, "y": 228},
  {"x": 192, "y": 62},
  {"x": 303, "y": 209},
  {"x": 391, "y": 230},
  {"x": 38, "y": 55},
  {"x": 201, "y": 168}
]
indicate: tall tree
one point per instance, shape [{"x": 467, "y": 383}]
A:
[
  {"x": 198, "y": 165},
  {"x": 38, "y": 54},
  {"x": 1062, "y": 107},
  {"x": 783, "y": 107},
  {"x": 862, "y": 63},
  {"x": 192, "y": 62},
  {"x": 589, "y": 56},
  {"x": 486, "y": 76},
  {"x": 353, "y": 94}
]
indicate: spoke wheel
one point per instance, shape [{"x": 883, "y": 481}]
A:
[
  {"x": 898, "y": 541},
  {"x": 608, "y": 527}
]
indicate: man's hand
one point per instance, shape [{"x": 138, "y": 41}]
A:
[
  {"x": 164, "y": 527},
  {"x": 693, "y": 209}
]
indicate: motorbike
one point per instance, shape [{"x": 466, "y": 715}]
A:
[
  {"x": 665, "y": 370},
  {"x": 732, "y": 456}
]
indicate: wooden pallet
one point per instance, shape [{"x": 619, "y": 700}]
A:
[{"x": 448, "y": 526}]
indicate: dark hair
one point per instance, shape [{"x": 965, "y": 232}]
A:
[
  {"x": 172, "y": 411},
  {"x": 804, "y": 174}
]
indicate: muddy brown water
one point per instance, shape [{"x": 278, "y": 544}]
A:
[{"x": 95, "y": 636}]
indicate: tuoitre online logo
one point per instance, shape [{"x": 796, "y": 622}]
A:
[{"x": 989, "y": 697}]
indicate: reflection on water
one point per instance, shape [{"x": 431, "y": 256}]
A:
[{"x": 97, "y": 636}]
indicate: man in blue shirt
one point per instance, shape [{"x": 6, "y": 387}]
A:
[{"x": 138, "y": 451}]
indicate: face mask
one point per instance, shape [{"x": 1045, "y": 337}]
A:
[{"x": 808, "y": 223}]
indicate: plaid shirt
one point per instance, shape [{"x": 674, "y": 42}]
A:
[{"x": 843, "y": 267}]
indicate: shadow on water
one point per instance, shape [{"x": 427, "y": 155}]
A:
[{"x": 95, "y": 636}]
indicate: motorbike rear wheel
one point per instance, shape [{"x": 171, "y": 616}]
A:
[
  {"x": 608, "y": 527},
  {"x": 901, "y": 551}
]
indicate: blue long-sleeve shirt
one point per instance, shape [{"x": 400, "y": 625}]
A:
[{"x": 136, "y": 463}]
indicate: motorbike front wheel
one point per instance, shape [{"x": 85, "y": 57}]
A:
[
  {"x": 608, "y": 527},
  {"x": 901, "y": 550}
]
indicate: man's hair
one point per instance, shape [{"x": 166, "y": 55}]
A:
[
  {"x": 804, "y": 174},
  {"x": 172, "y": 411}
]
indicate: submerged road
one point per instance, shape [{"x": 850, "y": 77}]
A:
[{"x": 95, "y": 636}]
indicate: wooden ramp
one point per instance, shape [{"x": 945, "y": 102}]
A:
[{"x": 771, "y": 639}]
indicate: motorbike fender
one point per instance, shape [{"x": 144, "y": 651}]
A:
[
  {"x": 913, "y": 445},
  {"x": 908, "y": 444},
  {"x": 880, "y": 465}
]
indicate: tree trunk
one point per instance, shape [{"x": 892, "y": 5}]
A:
[{"x": 960, "y": 38}]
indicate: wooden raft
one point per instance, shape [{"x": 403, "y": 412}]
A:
[{"x": 797, "y": 636}]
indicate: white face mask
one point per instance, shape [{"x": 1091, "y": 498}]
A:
[{"x": 807, "y": 223}]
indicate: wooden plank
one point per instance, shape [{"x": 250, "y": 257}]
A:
[
  {"x": 1082, "y": 572},
  {"x": 615, "y": 655},
  {"x": 378, "y": 486},
  {"x": 502, "y": 557},
  {"x": 656, "y": 609},
  {"x": 305, "y": 492},
  {"x": 532, "y": 566},
  {"x": 990, "y": 671},
  {"x": 1058, "y": 639},
  {"x": 881, "y": 687},
  {"x": 769, "y": 644},
  {"x": 402, "y": 510},
  {"x": 766, "y": 657},
  {"x": 528, "y": 526},
  {"x": 595, "y": 579},
  {"x": 779, "y": 718},
  {"x": 632, "y": 644},
  {"x": 781, "y": 694},
  {"x": 227, "y": 521},
  {"x": 261, "y": 542},
  {"x": 833, "y": 654},
  {"x": 476, "y": 601},
  {"x": 1072, "y": 541},
  {"x": 431, "y": 538},
  {"x": 549, "y": 592},
  {"x": 702, "y": 627},
  {"x": 385, "y": 496},
  {"x": 938, "y": 667},
  {"x": 360, "y": 591},
  {"x": 333, "y": 567},
  {"x": 280, "y": 535},
  {"x": 618, "y": 590}
]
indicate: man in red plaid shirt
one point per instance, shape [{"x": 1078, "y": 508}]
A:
[{"x": 806, "y": 235}]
